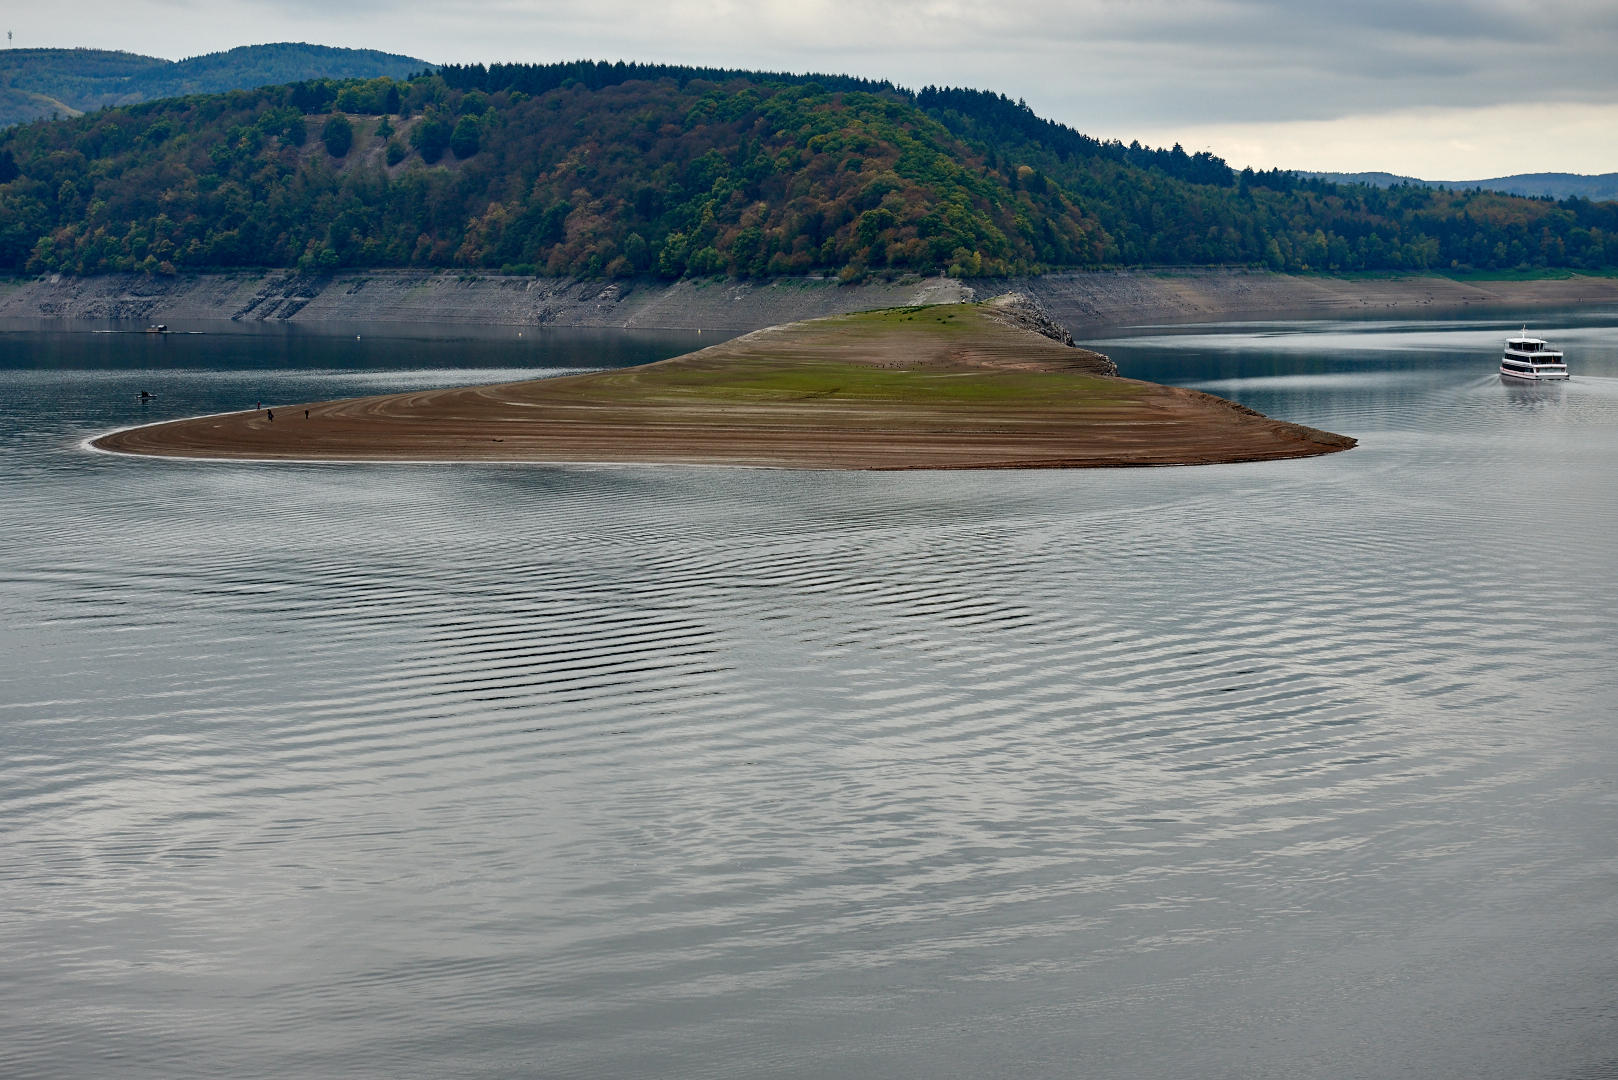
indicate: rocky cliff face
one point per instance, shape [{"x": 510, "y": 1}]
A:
[
  {"x": 1018, "y": 309},
  {"x": 395, "y": 297},
  {"x": 1071, "y": 300},
  {"x": 1112, "y": 298}
]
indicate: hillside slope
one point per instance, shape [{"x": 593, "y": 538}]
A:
[
  {"x": 1601, "y": 187},
  {"x": 36, "y": 83},
  {"x": 617, "y": 171}
]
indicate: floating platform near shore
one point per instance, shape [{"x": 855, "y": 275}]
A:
[{"x": 953, "y": 386}]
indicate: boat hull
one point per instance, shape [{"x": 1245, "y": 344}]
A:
[{"x": 1533, "y": 376}]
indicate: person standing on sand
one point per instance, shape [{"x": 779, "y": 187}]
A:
[
  {"x": 272, "y": 416},
  {"x": 306, "y": 414}
]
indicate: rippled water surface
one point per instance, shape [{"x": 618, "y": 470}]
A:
[{"x": 1291, "y": 769}]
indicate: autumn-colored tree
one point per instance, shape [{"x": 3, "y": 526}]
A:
[{"x": 617, "y": 170}]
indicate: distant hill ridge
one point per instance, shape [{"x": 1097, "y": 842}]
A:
[
  {"x": 38, "y": 83},
  {"x": 1556, "y": 185}
]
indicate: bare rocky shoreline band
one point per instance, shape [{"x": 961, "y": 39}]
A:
[
  {"x": 955, "y": 386},
  {"x": 1076, "y": 299}
]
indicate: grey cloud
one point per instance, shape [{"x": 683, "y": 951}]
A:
[{"x": 1097, "y": 64}]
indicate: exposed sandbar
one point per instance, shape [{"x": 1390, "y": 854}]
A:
[{"x": 956, "y": 386}]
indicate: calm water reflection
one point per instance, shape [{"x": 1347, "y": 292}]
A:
[{"x": 1298, "y": 768}]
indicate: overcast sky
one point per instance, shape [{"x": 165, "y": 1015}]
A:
[{"x": 1452, "y": 90}]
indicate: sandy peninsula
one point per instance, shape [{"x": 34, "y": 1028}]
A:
[{"x": 953, "y": 386}]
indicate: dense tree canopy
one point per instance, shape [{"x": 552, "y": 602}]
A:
[{"x": 603, "y": 169}]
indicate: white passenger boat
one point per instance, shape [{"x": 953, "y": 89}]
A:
[{"x": 1532, "y": 359}]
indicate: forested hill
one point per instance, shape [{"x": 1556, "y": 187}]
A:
[
  {"x": 604, "y": 169},
  {"x": 65, "y": 82}
]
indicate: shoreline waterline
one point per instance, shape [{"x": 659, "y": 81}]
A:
[{"x": 1077, "y": 299}]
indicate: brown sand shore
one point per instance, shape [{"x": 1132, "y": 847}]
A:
[{"x": 993, "y": 385}]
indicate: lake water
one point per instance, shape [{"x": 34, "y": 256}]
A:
[{"x": 1290, "y": 769}]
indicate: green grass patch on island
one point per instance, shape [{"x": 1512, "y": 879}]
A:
[{"x": 822, "y": 381}]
